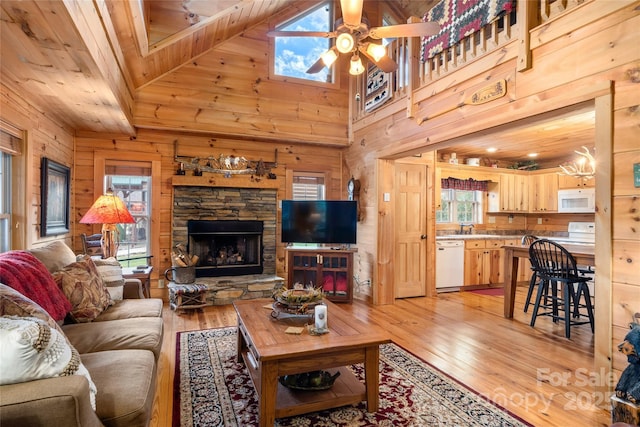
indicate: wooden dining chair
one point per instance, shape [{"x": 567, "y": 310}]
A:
[
  {"x": 527, "y": 240},
  {"x": 564, "y": 286}
]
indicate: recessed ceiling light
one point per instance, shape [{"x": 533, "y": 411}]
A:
[
  {"x": 532, "y": 155},
  {"x": 492, "y": 150}
]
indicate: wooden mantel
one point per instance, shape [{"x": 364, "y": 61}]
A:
[{"x": 242, "y": 181}]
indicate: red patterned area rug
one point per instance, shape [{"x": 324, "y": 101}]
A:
[{"x": 213, "y": 389}]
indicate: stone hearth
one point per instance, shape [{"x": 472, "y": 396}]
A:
[
  {"x": 225, "y": 290},
  {"x": 240, "y": 204}
]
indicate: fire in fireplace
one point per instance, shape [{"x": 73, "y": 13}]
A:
[{"x": 226, "y": 248}]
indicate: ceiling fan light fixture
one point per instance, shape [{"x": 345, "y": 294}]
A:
[
  {"x": 376, "y": 51},
  {"x": 356, "y": 67},
  {"x": 329, "y": 57},
  {"x": 345, "y": 43}
]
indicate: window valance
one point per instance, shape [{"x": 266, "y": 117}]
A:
[{"x": 464, "y": 184}]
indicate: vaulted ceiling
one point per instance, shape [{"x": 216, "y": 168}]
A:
[
  {"x": 57, "y": 54},
  {"x": 84, "y": 62}
]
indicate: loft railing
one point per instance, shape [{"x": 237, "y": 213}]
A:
[
  {"x": 490, "y": 38},
  {"x": 413, "y": 73}
]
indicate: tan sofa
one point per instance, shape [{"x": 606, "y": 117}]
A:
[{"x": 119, "y": 348}]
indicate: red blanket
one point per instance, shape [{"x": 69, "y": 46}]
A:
[{"x": 28, "y": 275}]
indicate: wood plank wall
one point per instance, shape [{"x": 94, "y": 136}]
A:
[
  {"x": 625, "y": 205},
  {"x": 43, "y": 138},
  {"x": 296, "y": 157},
  {"x": 232, "y": 91},
  {"x": 562, "y": 75}
]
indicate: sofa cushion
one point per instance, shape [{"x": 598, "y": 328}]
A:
[
  {"x": 84, "y": 288},
  {"x": 33, "y": 350},
  {"x": 111, "y": 272},
  {"x": 55, "y": 256},
  {"x": 127, "y": 381},
  {"x": 25, "y": 273},
  {"x": 59, "y": 401},
  {"x": 130, "y": 308},
  {"x": 141, "y": 333}
]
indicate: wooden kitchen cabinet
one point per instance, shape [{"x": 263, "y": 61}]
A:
[
  {"x": 483, "y": 262},
  {"x": 543, "y": 192},
  {"x": 511, "y": 194},
  {"x": 569, "y": 182},
  {"x": 330, "y": 269}
]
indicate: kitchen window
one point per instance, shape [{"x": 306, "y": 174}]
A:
[{"x": 460, "y": 206}]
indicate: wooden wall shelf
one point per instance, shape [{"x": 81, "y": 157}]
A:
[{"x": 220, "y": 181}]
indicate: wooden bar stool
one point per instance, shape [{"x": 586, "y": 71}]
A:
[{"x": 564, "y": 286}]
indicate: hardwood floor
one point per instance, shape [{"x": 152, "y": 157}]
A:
[{"x": 536, "y": 373}]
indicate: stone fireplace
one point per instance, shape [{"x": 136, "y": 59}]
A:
[
  {"x": 233, "y": 232},
  {"x": 226, "y": 248}
]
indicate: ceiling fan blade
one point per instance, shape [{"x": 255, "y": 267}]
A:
[
  {"x": 351, "y": 12},
  {"x": 385, "y": 63},
  {"x": 405, "y": 30},
  {"x": 325, "y": 34},
  {"x": 316, "y": 67}
]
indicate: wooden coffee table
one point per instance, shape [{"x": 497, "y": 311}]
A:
[{"x": 268, "y": 353}]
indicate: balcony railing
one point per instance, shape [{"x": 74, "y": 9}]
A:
[{"x": 413, "y": 73}]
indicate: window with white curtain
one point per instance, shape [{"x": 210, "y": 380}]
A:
[
  {"x": 5, "y": 202},
  {"x": 11, "y": 142},
  {"x": 308, "y": 186}
]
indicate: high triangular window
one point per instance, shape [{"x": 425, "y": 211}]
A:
[{"x": 294, "y": 55}]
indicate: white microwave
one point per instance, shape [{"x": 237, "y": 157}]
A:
[{"x": 577, "y": 201}]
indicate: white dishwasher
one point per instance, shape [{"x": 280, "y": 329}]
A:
[{"x": 449, "y": 263}]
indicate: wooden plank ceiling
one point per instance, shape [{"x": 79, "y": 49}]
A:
[{"x": 57, "y": 54}]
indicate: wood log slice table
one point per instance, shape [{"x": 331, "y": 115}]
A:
[{"x": 269, "y": 353}]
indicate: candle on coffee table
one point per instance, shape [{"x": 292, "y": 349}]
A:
[{"x": 321, "y": 317}]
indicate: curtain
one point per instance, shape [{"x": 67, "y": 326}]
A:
[{"x": 464, "y": 184}]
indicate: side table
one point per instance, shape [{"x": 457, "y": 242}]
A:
[{"x": 144, "y": 275}]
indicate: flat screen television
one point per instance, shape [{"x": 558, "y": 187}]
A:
[{"x": 319, "y": 221}]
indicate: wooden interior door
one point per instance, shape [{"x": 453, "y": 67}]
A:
[{"x": 410, "y": 230}]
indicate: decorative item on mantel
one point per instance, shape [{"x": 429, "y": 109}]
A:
[{"x": 228, "y": 165}]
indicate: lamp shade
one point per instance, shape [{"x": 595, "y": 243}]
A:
[
  {"x": 345, "y": 43},
  {"x": 108, "y": 209},
  {"x": 356, "y": 67}
]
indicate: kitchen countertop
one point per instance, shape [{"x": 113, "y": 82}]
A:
[
  {"x": 559, "y": 239},
  {"x": 478, "y": 236}
]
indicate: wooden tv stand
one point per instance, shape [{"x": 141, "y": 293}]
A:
[{"x": 331, "y": 269}]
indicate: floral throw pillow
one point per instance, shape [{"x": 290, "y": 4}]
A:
[{"x": 84, "y": 288}]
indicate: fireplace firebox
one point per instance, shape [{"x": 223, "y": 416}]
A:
[{"x": 226, "y": 248}]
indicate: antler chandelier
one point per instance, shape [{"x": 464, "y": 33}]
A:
[{"x": 584, "y": 167}]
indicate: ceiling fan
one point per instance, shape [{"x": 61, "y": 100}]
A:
[{"x": 353, "y": 35}]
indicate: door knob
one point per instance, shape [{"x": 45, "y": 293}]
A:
[{"x": 424, "y": 236}]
